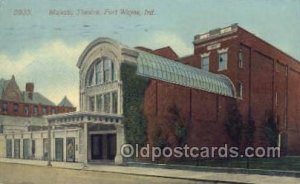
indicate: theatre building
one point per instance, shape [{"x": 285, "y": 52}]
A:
[{"x": 139, "y": 95}]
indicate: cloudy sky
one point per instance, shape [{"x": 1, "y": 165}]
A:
[{"x": 43, "y": 48}]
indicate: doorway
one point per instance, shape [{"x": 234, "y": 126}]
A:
[{"x": 103, "y": 146}]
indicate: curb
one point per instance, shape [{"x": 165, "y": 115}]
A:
[{"x": 295, "y": 174}]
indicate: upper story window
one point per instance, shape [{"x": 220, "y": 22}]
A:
[
  {"x": 239, "y": 90},
  {"x": 16, "y": 107},
  {"x": 35, "y": 110},
  {"x": 240, "y": 58},
  {"x": 222, "y": 59},
  {"x": 102, "y": 71},
  {"x": 205, "y": 63},
  {"x": 26, "y": 110},
  {"x": 44, "y": 110},
  {"x": 4, "y": 107},
  {"x": 92, "y": 103}
]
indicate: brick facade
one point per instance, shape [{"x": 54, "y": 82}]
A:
[
  {"x": 28, "y": 103},
  {"x": 270, "y": 84}
]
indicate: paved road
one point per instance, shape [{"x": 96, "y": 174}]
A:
[{"x": 26, "y": 174}]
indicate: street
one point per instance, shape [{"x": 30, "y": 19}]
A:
[{"x": 27, "y": 174}]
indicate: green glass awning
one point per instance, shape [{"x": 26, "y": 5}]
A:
[{"x": 160, "y": 68}]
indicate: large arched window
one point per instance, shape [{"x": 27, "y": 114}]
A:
[{"x": 102, "y": 71}]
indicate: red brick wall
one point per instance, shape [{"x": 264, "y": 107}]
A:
[
  {"x": 266, "y": 87},
  {"x": 203, "y": 112},
  {"x": 21, "y": 112}
]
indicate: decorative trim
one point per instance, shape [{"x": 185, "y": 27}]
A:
[
  {"x": 223, "y": 50},
  {"x": 206, "y": 54}
]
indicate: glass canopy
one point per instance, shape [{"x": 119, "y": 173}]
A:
[{"x": 156, "y": 67}]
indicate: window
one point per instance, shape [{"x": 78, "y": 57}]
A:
[
  {"x": 205, "y": 63},
  {"x": 4, "y": 107},
  {"x": 107, "y": 70},
  {"x": 26, "y": 110},
  {"x": 240, "y": 58},
  {"x": 16, "y": 107},
  {"x": 107, "y": 103},
  {"x": 91, "y": 77},
  {"x": 92, "y": 103},
  {"x": 222, "y": 61},
  {"x": 99, "y": 73},
  {"x": 35, "y": 110},
  {"x": 44, "y": 110},
  {"x": 99, "y": 102},
  {"x": 115, "y": 102},
  {"x": 102, "y": 71},
  {"x": 239, "y": 90},
  {"x": 53, "y": 111}
]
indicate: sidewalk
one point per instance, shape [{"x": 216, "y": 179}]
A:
[{"x": 209, "y": 177}]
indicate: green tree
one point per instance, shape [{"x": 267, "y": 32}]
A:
[
  {"x": 234, "y": 125},
  {"x": 271, "y": 129}
]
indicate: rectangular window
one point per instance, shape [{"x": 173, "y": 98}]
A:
[
  {"x": 26, "y": 110},
  {"x": 53, "y": 111},
  {"x": 99, "y": 102},
  {"x": 92, "y": 103},
  {"x": 115, "y": 102},
  {"x": 240, "y": 59},
  {"x": 99, "y": 73},
  {"x": 44, "y": 110},
  {"x": 107, "y": 103},
  {"x": 222, "y": 60},
  {"x": 16, "y": 107},
  {"x": 205, "y": 63},
  {"x": 239, "y": 90},
  {"x": 107, "y": 70},
  {"x": 4, "y": 107},
  {"x": 35, "y": 110}
]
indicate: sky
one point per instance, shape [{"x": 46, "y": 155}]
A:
[{"x": 37, "y": 46}]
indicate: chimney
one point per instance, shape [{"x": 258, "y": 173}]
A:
[{"x": 29, "y": 89}]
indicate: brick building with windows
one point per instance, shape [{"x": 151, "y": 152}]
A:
[
  {"x": 266, "y": 83},
  {"x": 28, "y": 103},
  {"x": 232, "y": 80}
]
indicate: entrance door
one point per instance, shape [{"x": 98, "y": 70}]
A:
[
  {"x": 111, "y": 146},
  {"x": 26, "y": 150},
  {"x": 96, "y": 141},
  {"x": 59, "y": 149},
  {"x": 8, "y": 148}
]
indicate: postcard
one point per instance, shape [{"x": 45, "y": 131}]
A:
[{"x": 136, "y": 91}]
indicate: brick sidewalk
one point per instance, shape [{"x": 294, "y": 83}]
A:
[{"x": 167, "y": 173}]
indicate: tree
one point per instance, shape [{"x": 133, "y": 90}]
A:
[
  {"x": 234, "y": 125},
  {"x": 249, "y": 130},
  {"x": 180, "y": 129},
  {"x": 271, "y": 129}
]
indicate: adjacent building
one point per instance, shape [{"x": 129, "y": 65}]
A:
[{"x": 22, "y": 126}]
